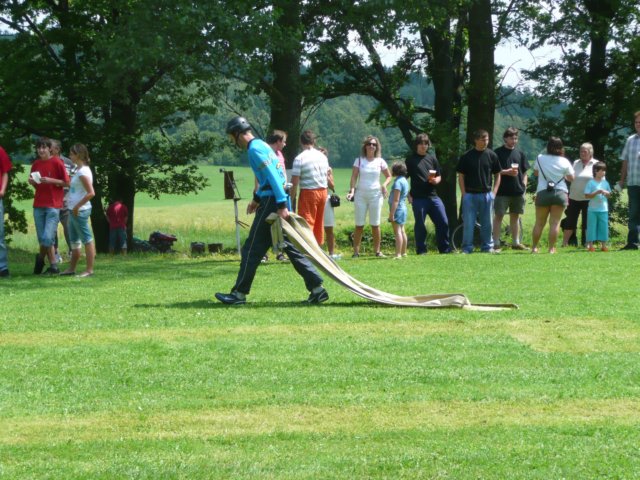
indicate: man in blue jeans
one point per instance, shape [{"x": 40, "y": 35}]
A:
[
  {"x": 270, "y": 197},
  {"x": 631, "y": 173},
  {"x": 5, "y": 166},
  {"x": 424, "y": 172},
  {"x": 475, "y": 169}
]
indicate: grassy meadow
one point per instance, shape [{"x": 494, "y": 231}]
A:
[{"x": 137, "y": 373}]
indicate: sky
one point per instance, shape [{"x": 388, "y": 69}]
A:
[{"x": 513, "y": 58}]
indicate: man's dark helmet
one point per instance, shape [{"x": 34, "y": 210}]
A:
[{"x": 238, "y": 125}]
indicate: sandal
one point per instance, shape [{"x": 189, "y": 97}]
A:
[
  {"x": 85, "y": 275},
  {"x": 67, "y": 273}
]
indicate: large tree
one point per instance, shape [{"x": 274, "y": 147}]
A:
[
  {"x": 481, "y": 91},
  {"x": 584, "y": 95},
  {"x": 430, "y": 38},
  {"x": 274, "y": 63},
  {"x": 118, "y": 76}
]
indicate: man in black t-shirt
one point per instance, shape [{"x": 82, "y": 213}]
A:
[
  {"x": 513, "y": 185},
  {"x": 424, "y": 172},
  {"x": 475, "y": 169}
]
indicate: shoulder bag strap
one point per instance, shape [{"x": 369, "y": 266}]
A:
[{"x": 545, "y": 177}]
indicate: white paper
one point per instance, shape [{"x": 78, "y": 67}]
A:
[{"x": 35, "y": 176}]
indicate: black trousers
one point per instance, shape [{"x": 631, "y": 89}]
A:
[
  {"x": 575, "y": 210},
  {"x": 257, "y": 245}
]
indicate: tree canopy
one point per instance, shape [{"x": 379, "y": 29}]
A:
[
  {"x": 139, "y": 81},
  {"x": 117, "y": 76}
]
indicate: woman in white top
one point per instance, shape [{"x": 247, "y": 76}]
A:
[
  {"x": 80, "y": 194},
  {"x": 553, "y": 171},
  {"x": 367, "y": 192}
]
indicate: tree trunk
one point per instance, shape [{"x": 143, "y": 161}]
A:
[
  {"x": 99, "y": 223},
  {"x": 446, "y": 69},
  {"x": 598, "y": 113},
  {"x": 286, "y": 95},
  {"x": 481, "y": 92},
  {"x": 119, "y": 144}
]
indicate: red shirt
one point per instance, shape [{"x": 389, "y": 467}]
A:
[
  {"x": 47, "y": 195},
  {"x": 5, "y": 162},
  {"x": 117, "y": 215}
]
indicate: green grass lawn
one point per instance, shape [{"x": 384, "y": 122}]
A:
[{"x": 138, "y": 373}]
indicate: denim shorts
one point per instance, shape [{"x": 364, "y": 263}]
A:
[
  {"x": 400, "y": 216},
  {"x": 46, "y": 220},
  {"x": 545, "y": 198},
  {"x": 79, "y": 229},
  {"x": 117, "y": 239}
]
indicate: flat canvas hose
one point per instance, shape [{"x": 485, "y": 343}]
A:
[{"x": 298, "y": 232}]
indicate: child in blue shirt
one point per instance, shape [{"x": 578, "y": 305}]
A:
[
  {"x": 598, "y": 191},
  {"x": 398, "y": 207}
]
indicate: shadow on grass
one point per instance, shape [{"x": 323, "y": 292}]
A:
[{"x": 199, "y": 304}]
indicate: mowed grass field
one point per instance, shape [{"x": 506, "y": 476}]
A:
[{"x": 138, "y": 373}]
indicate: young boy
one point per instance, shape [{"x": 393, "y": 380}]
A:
[
  {"x": 598, "y": 191},
  {"x": 49, "y": 177}
]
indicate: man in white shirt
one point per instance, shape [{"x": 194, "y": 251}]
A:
[{"x": 310, "y": 171}]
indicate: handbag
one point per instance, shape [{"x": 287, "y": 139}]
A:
[{"x": 334, "y": 200}]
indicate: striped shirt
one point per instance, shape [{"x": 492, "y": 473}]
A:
[
  {"x": 312, "y": 167},
  {"x": 631, "y": 153}
]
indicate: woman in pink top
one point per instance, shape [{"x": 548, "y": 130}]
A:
[{"x": 277, "y": 141}]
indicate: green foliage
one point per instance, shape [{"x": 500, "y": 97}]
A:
[
  {"x": 149, "y": 85},
  {"x": 341, "y": 124},
  {"x": 16, "y": 191},
  {"x": 111, "y": 76},
  {"x": 584, "y": 96}
]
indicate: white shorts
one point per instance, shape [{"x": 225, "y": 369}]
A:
[
  {"x": 368, "y": 201},
  {"x": 329, "y": 215}
]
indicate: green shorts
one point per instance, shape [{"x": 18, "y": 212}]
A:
[{"x": 513, "y": 204}]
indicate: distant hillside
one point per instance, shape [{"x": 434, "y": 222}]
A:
[{"x": 341, "y": 125}]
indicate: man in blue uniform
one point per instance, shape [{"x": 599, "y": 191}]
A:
[{"x": 269, "y": 197}]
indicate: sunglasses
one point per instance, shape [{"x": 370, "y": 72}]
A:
[
  {"x": 371, "y": 144},
  {"x": 424, "y": 143}
]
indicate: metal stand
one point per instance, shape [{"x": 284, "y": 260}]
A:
[
  {"x": 231, "y": 192},
  {"x": 238, "y": 223}
]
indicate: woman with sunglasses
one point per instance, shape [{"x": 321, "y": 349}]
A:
[{"x": 368, "y": 193}]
